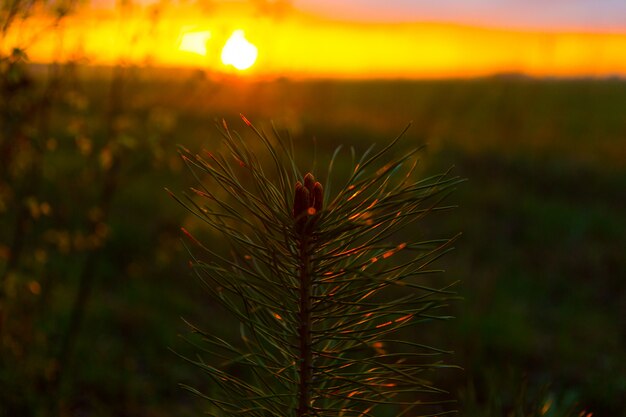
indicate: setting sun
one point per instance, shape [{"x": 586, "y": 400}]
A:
[{"x": 239, "y": 52}]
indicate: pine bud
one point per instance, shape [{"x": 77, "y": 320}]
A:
[
  {"x": 308, "y": 201},
  {"x": 300, "y": 201},
  {"x": 309, "y": 181},
  {"x": 318, "y": 196}
]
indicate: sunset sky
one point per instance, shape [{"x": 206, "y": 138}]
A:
[
  {"x": 595, "y": 15},
  {"x": 347, "y": 39}
]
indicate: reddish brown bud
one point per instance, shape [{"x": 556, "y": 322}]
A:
[
  {"x": 309, "y": 181},
  {"x": 308, "y": 201},
  {"x": 318, "y": 196},
  {"x": 300, "y": 201},
  {"x": 306, "y": 198}
]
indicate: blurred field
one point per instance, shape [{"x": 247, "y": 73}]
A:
[{"x": 95, "y": 278}]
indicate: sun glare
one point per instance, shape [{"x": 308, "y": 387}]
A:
[
  {"x": 194, "y": 42},
  {"x": 239, "y": 52}
]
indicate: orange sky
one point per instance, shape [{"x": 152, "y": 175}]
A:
[{"x": 296, "y": 44}]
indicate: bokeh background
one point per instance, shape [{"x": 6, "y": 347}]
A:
[{"x": 524, "y": 99}]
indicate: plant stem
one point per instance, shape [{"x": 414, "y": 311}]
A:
[
  {"x": 306, "y": 356},
  {"x": 83, "y": 295}
]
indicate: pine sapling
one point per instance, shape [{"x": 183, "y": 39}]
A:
[{"x": 323, "y": 292}]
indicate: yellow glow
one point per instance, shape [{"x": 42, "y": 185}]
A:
[
  {"x": 195, "y": 42},
  {"x": 239, "y": 52},
  {"x": 298, "y": 45}
]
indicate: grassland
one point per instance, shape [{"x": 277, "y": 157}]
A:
[{"x": 540, "y": 264}]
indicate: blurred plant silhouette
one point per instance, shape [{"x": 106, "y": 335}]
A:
[
  {"x": 62, "y": 159},
  {"x": 313, "y": 279},
  {"x": 26, "y": 211}
]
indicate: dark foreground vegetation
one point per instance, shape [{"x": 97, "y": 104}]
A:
[{"x": 94, "y": 279}]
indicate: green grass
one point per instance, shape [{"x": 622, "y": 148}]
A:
[{"x": 540, "y": 262}]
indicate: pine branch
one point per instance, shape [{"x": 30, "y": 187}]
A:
[{"x": 314, "y": 285}]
